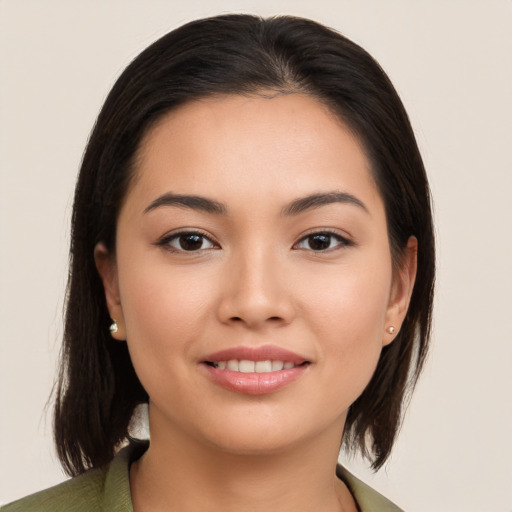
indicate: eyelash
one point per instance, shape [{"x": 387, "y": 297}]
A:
[
  {"x": 343, "y": 242},
  {"x": 165, "y": 242}
]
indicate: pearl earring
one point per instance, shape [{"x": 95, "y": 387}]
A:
[
  {"x": 390, "y": 329},
  {"x": 114, "y": 327}
]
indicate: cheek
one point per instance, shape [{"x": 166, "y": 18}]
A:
[
  {"x": 164, "y": 313},
  {"x": 347, "y": 312},
  {"x": 163, "y": 308},
  {"x": 352, "y": 298}
]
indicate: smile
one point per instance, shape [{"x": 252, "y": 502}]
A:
[
  {"x": 255, "y": 370},
  {"x": 247, "y": 366}
]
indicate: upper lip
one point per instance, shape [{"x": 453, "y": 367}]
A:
[{"x": 262, "y": 353}]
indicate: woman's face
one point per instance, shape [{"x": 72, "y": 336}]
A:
[{"x": 252, "y": 277}]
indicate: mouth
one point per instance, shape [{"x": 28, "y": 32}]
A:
[
  {"x": 255, "y": 370},
  {"x": 248, "y": 366}
]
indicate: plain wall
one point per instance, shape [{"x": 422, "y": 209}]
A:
[{"x": 451, "y": 62}]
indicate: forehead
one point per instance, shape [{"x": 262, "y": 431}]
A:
[{"x": 291, "y": 144}]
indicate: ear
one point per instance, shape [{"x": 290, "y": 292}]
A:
[
  {"x": 107, "y": 269},
  {"x": 401, "y": 290}
]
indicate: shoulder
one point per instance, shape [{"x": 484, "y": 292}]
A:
[
  {"x": 82, "y": 493},
  {"x": 368, "y": 499},
  {"x": 105, "y": 488}
]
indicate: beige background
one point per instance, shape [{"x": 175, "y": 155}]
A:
[{"x": 451, "y": 61}]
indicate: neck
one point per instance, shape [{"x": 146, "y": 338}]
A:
[{"x": 179, "y": 473}]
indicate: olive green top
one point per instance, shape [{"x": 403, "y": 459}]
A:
[{"x": 108, "y": 490}]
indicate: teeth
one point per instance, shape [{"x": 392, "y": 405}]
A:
[
  {"x": 277, "y": 365},
  {"x": 246, "y": 366},
  {"x": 263, "y": 366},
  {"x": 233, "y": 365}
]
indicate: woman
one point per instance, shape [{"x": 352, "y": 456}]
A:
[{"x": 252, "y": 254}]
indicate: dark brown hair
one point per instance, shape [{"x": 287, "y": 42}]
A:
[{"x": 235, "y": 54}]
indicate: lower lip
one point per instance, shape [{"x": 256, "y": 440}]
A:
[{"x": 255, "y": 383}]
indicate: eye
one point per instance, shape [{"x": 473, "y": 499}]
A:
[
  {"x": 322, "y": 241},
  {"x": 187, "y": 241}
]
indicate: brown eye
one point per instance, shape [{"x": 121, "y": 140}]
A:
[
  {"x": 319, "y": 242},
  {"x": 188, "y": 242},
  {"x": 322, "y": 241}
]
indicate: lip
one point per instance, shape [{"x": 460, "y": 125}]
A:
[
  {"x": 261, "y": 353},
  {"x": 255, "y": 383}
]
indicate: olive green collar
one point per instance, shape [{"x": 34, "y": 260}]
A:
[{"x": 117, "y": 484}]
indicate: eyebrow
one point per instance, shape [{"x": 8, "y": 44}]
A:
[
  {"x": 188, "y": 201},
  {"x": 294, "y": 208},
  {"x": 317, "y": 200}
]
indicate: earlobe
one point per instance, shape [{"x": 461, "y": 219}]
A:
[
  {"x": 107, "y": 269},
  {"x": 401, "y": 290}
]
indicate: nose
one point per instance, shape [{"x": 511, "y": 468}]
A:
[{"x": 256, "y": 292}]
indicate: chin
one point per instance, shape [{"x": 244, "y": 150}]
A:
[
  {"x": 264, "y": 435},
  {"x": 256, "y": 443}
]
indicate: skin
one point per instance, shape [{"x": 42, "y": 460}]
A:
[{"x": 254, "y": 280}]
